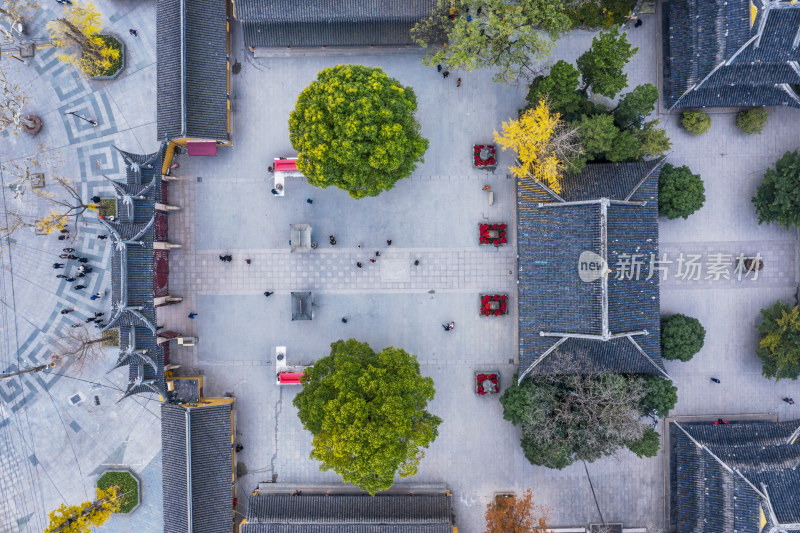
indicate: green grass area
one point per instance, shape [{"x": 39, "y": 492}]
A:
[
  {"x": 605, "y": 13},
  {"x": 126, "y": 486},
  {"x": 114, "y": 337},
  {"x": 108, "y": 208}
]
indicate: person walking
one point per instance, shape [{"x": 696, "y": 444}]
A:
[
  {"x": 68, "y": 250},
  {"x": 93, "y": 297},
  {"x": 62, "y": 237},
  {"x": 76, "y": 325},
  {"x": 228, "y": 258},
  {"x": 88, "y": 270},
  {"x": 90, "y": 319},
  {"x": 788, "y": 400},
  {"x": 715, "y": 380},
  {"x": 58, "y": 265},
  {"x": 192, "y": 315},
  {"x": 102, "y": 237},
  {"x": 63, "y": 2},
  {"x": 99, "y": 313},
  {"x": 66, "y": 311},
  {"x": 445, "y": 73},
  {"x": 70, "y": 256},
  {"x": 372, "y": 260},
  {"x": 62, "y": 256},
  {"x": 133, "y": 32},
  {"x": 83, "y": 260},
  {"x": 359, "y": 265},
  {"x": 458, "y": 82},
  {"x": 332, "y": 240},
  {"x": 268, "y": 293},
  {"x": 448, "y": 326},
  {"x": 344, "y": 320},
  {"x": 247, "y": 261},
  {"x": 222, "y": 258},
  {"x": 79, "y": 287},
  {"x": 438, "y": 68},
  {"x": 275, "y": 192},
  {"x": 72, "y": 278},
  {"x": 416, "y": 262},
  {"x": 82, "y": 268},
  {"x": 388, "y": 242},
  {"x": 60, "y": 276},
  {"x": 78, "y": 275},
  {"x": 309, "y": 201}
]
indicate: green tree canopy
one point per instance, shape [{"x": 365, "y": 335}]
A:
[
  {"x": 559, "y": 89},
  {"x": 696, "y": 122},
  {"x": 634, "y": 106},
  {"x": 366, "y": 412},
  {"x": 653, "y": 141},
  {"x": 680, "y": 193},
  {"x": 575, "y": 417},
  {"x": 508, "y": 36},
  {"x": 779, "y": 346},
  {"x": 648, "y": 445},
  {"x": 681, "y": 337},
  {"x": 601, "y": 66},
  {"x": 752, "y": 120},
  {"x": 777, "y": 199},
  {"x": 660, "y": 395},
  {"x": 354, "y": 128}
]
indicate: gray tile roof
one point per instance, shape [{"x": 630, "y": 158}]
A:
[
  {"x": 192, "y": 92},
  {"x": 132, "y": 275},
  {"x": 583, "y": 317},
  {"x": 279, "y": 23},
  {"x": 740, "y": 469},
  {"x": 268, "y": 513},
  {"x": 714, "y": 58},
  {"x": 196, "y": 475}
]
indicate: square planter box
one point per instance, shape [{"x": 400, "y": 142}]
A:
[{"x": 487, "y": 383}]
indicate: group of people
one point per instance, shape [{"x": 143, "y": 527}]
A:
[{"x": 69, "y": 254}]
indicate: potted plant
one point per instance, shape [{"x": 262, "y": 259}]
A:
[
  {"x": 487, "y": 383},
  {"x": 494, "y": 304},
  {"x": 494, "y": 234},
  {"x": 484, "y": 156}
]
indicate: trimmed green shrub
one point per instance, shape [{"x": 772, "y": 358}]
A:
[
  {"x": 648, "y": 445},
  {"x": 779, "y": 345},
  {"x": 777, "y": 199},
  {"x": 696, "y": 122},
  {"x": 752, "y": 121},
  {"x": 660, "y": 395},
  {"x": 681, "y": 337},
  {"x": 680, "y": 193},
  {"x": 127, "y": 488}
]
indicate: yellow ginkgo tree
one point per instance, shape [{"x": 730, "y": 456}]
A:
[
  {"x": 544, "y": 144},
  {"x": 85, "y": 516},
  {"x": 78, "y": 33}
]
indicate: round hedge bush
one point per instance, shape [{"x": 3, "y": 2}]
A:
[
  {"x": 127, "y": 488},
  {"x": 696, "y": 122},
  {"x": 752, "y": 121},
  {"x": 680, "y": 193},
  {"x": 681, "y": 337}
]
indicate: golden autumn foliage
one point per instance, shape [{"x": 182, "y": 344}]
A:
[
  {"x": 515, "y": 514},
  {"x": 83, "y": 517},
  {"x": 543, "y": 144},
  {"x": 78, "y": 32}
]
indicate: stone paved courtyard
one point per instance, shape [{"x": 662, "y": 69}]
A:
[{"x": 52, "y": 451}]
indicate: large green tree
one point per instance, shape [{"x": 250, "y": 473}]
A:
[
  {"x": 354, "y": 128},
  {"x": 680, "y": 193},
  {"x": 559, "y": 89},
  {"x": 601, "y": 66},
  {"x": 634, "y": 106},
  {"x": 779, "y": 346},
  {"x": 577, "y": 417},
  {"x": 777, "y": 199},
  {"x": 660, "y": 395},
  {"x": 367, "y": 414},
  {"x": 681, "y": 337},
  {"x": 511, "y": 37}
]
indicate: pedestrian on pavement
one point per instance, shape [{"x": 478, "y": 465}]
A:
[
  {"x": 239, "y": 448},
  {"x": 388, "y": 242},
  {"x": 358, "y": 245},
  {"x": 638, "y": 23},
  {"x": 247, "y": 261},
  {"x": 99, "y": 325},
  {"x": 78, "y": 275},
  {"x": 446, "y": 326},
  {"x": 58, "y": 265},
  {"x": 715, "y": 380},
  {"x": 90, "y": 319},
  {"x": 438, "y": 68},
  {"x": 66, "y": 311},
  {"x": 76, "y": 325},
  {"x": 452, "y": 325},
  {"x": 222, "y": 258},
  {"x": 62, "y": 2},
  {"x": 314, "y": 245},
  {"x": 788, "y": 400},
  {"x": 268, "y": 294},
  {"x": 445, "y": 73},
  {"x": 344, "y": 320},
  {"x": 63, "y": 230},
  {"x": 378, "y": 254},
  {"x": 102, "y": 237},
  {"x": 71, "y": 279},
  {"x": 133, "y": 32},
  {"x": 372, "y": 260},
  {"x": 82, "y": 268},
  {"x": 69, "y": 250},
  {"x": 99, "y": 313},
  {"x": 79, "y": 287},
  {"x": 416, "y": 262},
  {"x": 332, "y": 240},
  {"x": 275, "y": 192},
  {"x": 359, "y": 265},
  {"x": 270, "y": 169},
  {"x": 192, "y": 315},
  {"x": 83, "y": 260},
  {"x": 62, "y": 237},
  {"x": 458, "y": 82},
  {"x": 229, "y": 258},
  {"x": 88, "y": 270},
  {"x": 93, "y": 297},
  {"x": 60, "y": 276},
  {"x": 62, "y": 256},
  {"x": 309, "y": 201},
  {"x": 70, "y": 256}
]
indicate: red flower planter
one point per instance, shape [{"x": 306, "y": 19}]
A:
[
  {"x": 487, "y": 383},
  {"x": 494, "y": 234},
  {"x": 484, "y": 156},
  {"x": 494, "y": 304}
]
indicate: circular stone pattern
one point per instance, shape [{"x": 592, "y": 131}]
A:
[{"x": 127, "y": 484}]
